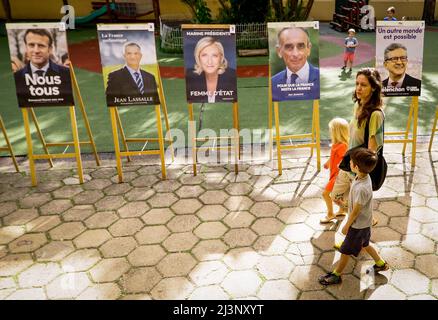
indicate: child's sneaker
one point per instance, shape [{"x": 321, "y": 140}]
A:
[
  {"x": 329, "y": 278},
  {"x": 343, "y": 68},
  {"x": 381, "y": 268},
  {"x": 350, "y": 70}
]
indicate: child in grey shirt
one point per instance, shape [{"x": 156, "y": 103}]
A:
[{"x": 358, "y": 226}]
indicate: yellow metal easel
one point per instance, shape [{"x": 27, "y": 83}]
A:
[
  {"x": 434, "y": 129},
  {"x": 315, "y": 142},
  {"x": 412, "y": 121},
  {"x": 234, "y": 138},
  {"x": 75, "y": 143},
  {"x": 117, "y": 128},
  {"x": 8, "y": 146}
]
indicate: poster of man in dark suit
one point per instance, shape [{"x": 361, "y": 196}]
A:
[
  {"x": 399, "y": 56},
  {"x": 398, "y": 81},
  {"x": 39, "y": 80},
  {"x": 298, "y": 78},
  {"x": 124, "y": 62}
]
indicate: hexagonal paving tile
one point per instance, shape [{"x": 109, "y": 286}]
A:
[
  {"x": 385, "y": 236},
  {"x": 177, "y": 242},
  {"x": 12, "y": 264},
  {"x": 28, "y": 294},
  {"x": 418, "y": 244},
  {"x": 207, "y": 250},
  {"x": 404, "y": 225},
  {"x": 306, "y": 277},
  {"x": 144, "y": 181},
  {"x": 176, "y": 264},
  {"x": 324, "y": 240},
  {"x": 427, "y": 264},
  {"x": 393, "y": 209},
  {"x": 161, "y": 200},
  {"x": 297, "y": 232},
  {"x": 118, "y": 247},
  {"x": 210, "y": 230},
  {"x": 348, "y": 290},
  {"x": 43, "y": 224},
  {"x": 275, "y": 267},
  {"x": 110, "y": 203},
  {"x": 125, "y": 227},
  {"x": 109, "y": 269},
  {"x": 166, "y": 186},
  {"x": 190, "y": 192},
  {"x": 172, "y": 288},
  {"x": 238, "y": 189},
  {"x": 267, "y": 226},
  {"x": 97, "y": 184},
  {"x": 150, "y": 235},
  {"x": 34, "y": 200},
  {"x": 208, "y": 273},
  {"x": 316, "y": 295},
  {"x": 271, "y": 245},
  {"x": 386, "y": 292},
  {"x": 183, "y": 223},
  {"x": 240, "y": 237},
  {"x": 54, "y": 251},
  {"x": 56, "y": 207},
  {"x": 117, "y": 189},
  {"x": 28, "y": 243},
  {"x": 209, "y": 293},
  {"x": 67, "y": 286},
  {"x": 78, "y": 213},
  {"x": 67, "y": 231},
  {"x": 140, "y": 280},
  {"x": 292, "y": 215},
  {"x": 278, "y": 290},
  {"x": 40, "y": 274},
  {"x": 241, "y": 258},
  {"x": 104, "y": 291},
  {"x": 239, "y": 219},
  {"x": 410, "y": 281},
  {"x": 241, "y": 284},
  {"x": 139, "y": 194},
  {"x": 7, "y": 207},
  {"x": 431, "y": 230},
  {"x": 157, "y": 216},
  {"x": 133, "y": 209},
  {"x": 212, "y": 212},
  {"x": 20, "y": 217},
  {"x": 186, "y": 206},
  {"x": 88, "y": 197},
  {"x": 81, "y": 260},
  {"x": 101, "y": 219},
  {"x": 146, "y": 255},
  {"x": 238, "y": 203},
  {"x": 264, "y": 209},
  {"x": 92, "y": 238}
]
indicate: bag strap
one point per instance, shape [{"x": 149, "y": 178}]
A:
[{"x": 367, "y": 128}]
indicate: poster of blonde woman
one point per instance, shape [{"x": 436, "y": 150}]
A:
[
  {"x": 294, "y": 60},
  {"x": 399, "y": 56},
  {"x": 210, "y": 63},
  {"x": 129, "y": 64},
  {"x": 36, "y": 54}
]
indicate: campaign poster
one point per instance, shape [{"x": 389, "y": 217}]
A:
[
  {"x": 210, "y": 63},
  {"x": 399, "y": 56},
  {"x": 129, "y": 64},
  {"x": 294, "y": 60},
  {"x": 40, "y": 63}
]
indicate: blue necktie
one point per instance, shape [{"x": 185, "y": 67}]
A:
[
  {"x": 139, "y": 82},
  {"x": 293, "y": 77}
]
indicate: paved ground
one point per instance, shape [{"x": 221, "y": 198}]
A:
[{"x": 214, "y": 236}]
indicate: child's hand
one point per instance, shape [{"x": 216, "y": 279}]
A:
[
  {"x": 327, "y": 164},
  {"x": 345, "y": 230}
]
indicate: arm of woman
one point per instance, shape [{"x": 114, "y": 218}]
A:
[{"x": 376, "y": 131}]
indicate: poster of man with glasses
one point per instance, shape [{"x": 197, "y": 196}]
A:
[{"x": 399, "y": 56}]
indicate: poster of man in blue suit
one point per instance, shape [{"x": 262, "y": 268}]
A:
[{"x": 294, "y": 68}]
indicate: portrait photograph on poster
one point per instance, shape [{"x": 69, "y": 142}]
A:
[
  {"x": 294, "y": 60},
  {"x": 129, "y": 64},
  {"x": 40, "y": 63},
  {"x": 210, "y": 63},
  {"x": 399, "y": 56}
]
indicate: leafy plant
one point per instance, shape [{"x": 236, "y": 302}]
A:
[
  {"x": 293, "y": 10},
  {"x": 243, "y": 11},
  {"x": 201, "y": 12}
]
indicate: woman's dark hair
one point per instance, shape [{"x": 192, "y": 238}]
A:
[{"x": 375, "y": 101}]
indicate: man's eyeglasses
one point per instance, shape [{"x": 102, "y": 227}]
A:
[{"x": 394, "y": 59}]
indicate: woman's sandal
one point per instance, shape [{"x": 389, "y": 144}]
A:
[{"x": 327, "y": 219}]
